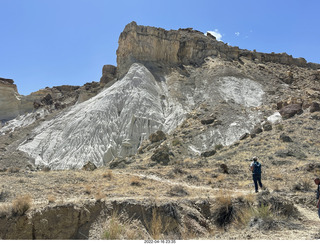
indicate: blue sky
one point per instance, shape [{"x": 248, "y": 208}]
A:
[{"x": 67, "y": 42}]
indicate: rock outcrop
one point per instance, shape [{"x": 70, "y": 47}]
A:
[
  {"x": 9, "y": 99},
  {"x": 108, "y": 73},
  {"x": 168, "y": 81},
  {"x": 58, "y": 97},
  {"x": 158, "y": 48}
]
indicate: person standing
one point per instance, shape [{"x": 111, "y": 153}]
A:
[
  {"x": 255, "y": 167},
  {"x": 317, "y": 182}
]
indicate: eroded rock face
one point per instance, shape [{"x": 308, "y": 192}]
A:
[
  {"x": 9, "y": 99},
  {"x": 291, "y": 110},
  {"x": 108, "y": 73},
  {"x": 116, "y": 121},
  {"x": 111, "y": 124},
  {"x": 12, "y": 104},
  {"x": 157, "y": 49}
]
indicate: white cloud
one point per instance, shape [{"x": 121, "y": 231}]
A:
[
  {"x": 237, "y": 33},
  {"x": 216, "y": 34}
]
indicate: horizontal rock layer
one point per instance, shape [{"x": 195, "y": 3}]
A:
[{"x": 150, "y": 45}]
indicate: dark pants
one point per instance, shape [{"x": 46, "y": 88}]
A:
[{"x": 256, "y": 180}]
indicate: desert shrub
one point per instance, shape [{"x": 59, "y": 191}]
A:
[
  {"x": 178, "y": 170},
  {"x": 51, "y": 198},
  {"x": 176, "y": 142},
  {"x": 224, "y": 168},
  {"x": 99, "y": 195},
  {"x": 306, "y": 184},
  {"x": 5, "y": 210},
  {"x": 280, "y": 127},
  {"x": 14, "y": 170},
  {"x": 87, "y": 189},
  {"x": 135, "y": 181},
  {"x": 178, "y": 191},
  {"x": 218, "y": 147},
  {"x": 223, "y": 212},
  {"x": 302, "y": 185},
  {"x": 108, "y": 175},
  {"x": 118, "y": 227},
  {"x": 221, "y": 178},
  {"x": 263, "y": 211},
  {"x": 160, "y": 225},
  {"x": 228, "y": 210},
  {"x": 21, "y": 204},
  {"x": 115, "y": 228},
  {"x": 3, "y": 195},
  {"x": 45, "y": 169},
  {"x": 279, "y": 206}
]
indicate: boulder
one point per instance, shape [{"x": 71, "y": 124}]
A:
[
  {"x": 283, "y": 153},
  {"x": 267, "y": 126},
  {"x": 157, "y": 136},
  {"x": 256, "y": 130},
  {"x": 312, "y": 166},
  {"x": 244, "y": 136},
  {"x": 108, "y": 73},
  {"x": 224, "y": 168},
  {"x": 291, "y": 110},
  {"x": 207, "y": 121},
  {"x": 88, "y": 166},
  {"x": 315, "y": 116},
  {"x": 285, "y": 138},
  {"x": 276, "y": 118},
  {"x": 162, "y": 155},
  {"x": 119, "y": 163},
  {"x": 208, "y": 153},
  {"x": 314, "y": 107},
  {"x": 47, "y": 100}
]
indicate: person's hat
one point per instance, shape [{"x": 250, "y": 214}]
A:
[{"x": 255, "y": 158}]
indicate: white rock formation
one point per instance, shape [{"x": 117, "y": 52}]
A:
[
  {"x": 276, "y": 118},
  {"x": 116, "y": 121},
  {"x": 111, "y": 124}
]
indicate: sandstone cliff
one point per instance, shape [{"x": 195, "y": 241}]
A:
[
  {"x": 58, "y": 97},
  {"x": 9, "y": 99},
  {"x": 157, "y": 49}
]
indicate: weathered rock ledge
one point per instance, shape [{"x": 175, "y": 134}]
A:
[{"x": 157, "y": 47}]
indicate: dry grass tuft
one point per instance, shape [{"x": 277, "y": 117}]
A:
[
  {"x": 20, "y": 205},
  {"x": 13, "y": 170},
  {"x": 87, "y": 189},
  {"x": 108, "y": 175},
  {"x": 223, "y": 212},
  {"x": 221, "y": 178},
  {"x": 5, "y": 210},
  {"x": 178, "y": 191},
  {"x": 223, "y": 198},
  {"x": 227, "y": 210},
  {"x": 160, "y": 225},
  {"x": 120, "y": 228},
  {"x": 135, "y": 181},
  {"x": 52, "y": 198},
  {"x": 115, "y": 228},
  {"x": 99, "y": 195}
]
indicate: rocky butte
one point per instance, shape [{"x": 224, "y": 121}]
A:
[
  {"x": 162, "y": 79},
  {"x": 159, "y": 48}
]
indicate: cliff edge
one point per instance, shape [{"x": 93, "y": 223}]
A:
[{"x": 158, "y": 48}]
